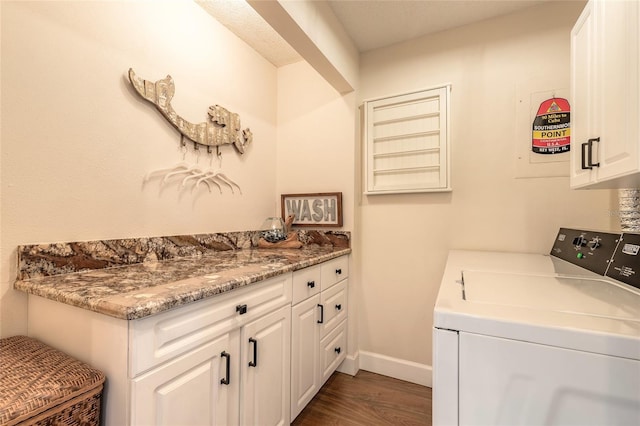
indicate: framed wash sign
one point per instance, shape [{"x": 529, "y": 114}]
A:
[{"x": 321, "y": 209}]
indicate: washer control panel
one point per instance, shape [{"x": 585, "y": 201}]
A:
[
  {"x": 591, "y": 250},
  {"x": 614, "y": 255},
  {"x": 625, "y": 264}
]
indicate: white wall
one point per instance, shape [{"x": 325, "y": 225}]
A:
[
  {"x": 77, "y": 141},
  {"x": 405, "y": 238}
]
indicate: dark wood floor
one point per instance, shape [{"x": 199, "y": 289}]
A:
[{"x": 367, "y": 399}]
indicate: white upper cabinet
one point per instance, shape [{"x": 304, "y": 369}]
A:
[
  {"x": 407, "y": 142},
  {"x": 605, "y": 92}
]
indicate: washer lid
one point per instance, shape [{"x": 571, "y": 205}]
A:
[
  {"x": 596, "y": 297},
  {"x": 527, "y": 297}
]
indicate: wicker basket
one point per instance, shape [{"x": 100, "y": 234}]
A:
[{"x": 43, "y": 386}]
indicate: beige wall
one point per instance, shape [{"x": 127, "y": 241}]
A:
[
  {"x": 324, "y": 30},
  {"x": 316, "y": 133},
  {"x": 77, "y": 141},
  {"x": 316, "y": 129},
  {"x": 405, "y": 238}
]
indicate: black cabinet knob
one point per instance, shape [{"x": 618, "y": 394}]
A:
[
  {"x": 241, "y": 309},
  {"x": 338, "y": 306},
  {"x": 311, "y": 284},
  {"x": 338, "y": 271},
  {"x": 337, "y": 350}
]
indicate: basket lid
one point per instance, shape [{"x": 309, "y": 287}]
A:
[{"x": 36, "y": 377}]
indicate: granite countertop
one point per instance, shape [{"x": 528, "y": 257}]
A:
[{"x": 143, "y": 289}]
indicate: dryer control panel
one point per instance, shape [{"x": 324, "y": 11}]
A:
[{"x": 591, "y": 250}]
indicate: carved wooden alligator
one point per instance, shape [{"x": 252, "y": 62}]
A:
[{"x": 223, "y": 129}]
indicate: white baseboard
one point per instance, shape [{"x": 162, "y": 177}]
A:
[
  {"x": 394, "y": 367},
  {"x": 350, "y": 365}
]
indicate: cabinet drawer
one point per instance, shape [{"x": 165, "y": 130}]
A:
[
  {"x": 333, "y": 350},
  {"x": 306, "y": 283},
  {"x": 156, "y": 339},
  {"x": 334, "y": 271},
  {"x": 334, "y": 307}
]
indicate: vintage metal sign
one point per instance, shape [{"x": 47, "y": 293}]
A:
[{"x": 551, "y": 133}]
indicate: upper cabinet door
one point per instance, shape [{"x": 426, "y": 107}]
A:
[
  {"x": 605, "y": 92},
  {"x": 618, "y": 26},
  {"x": 583, "y": 92}
]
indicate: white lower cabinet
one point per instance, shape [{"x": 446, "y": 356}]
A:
[
  {"x": 222, "y": 380},
  {"x": 233, "y": 363},
  {"x": 305, "y": 353},
  {"x": 193, "y": 389},
  {"x": 318, "y": 328},
  {"x": 334, "y": 307},
  {"x": 333, "y": 351},
  {"x": 254, "y": 356},
  {"x": 265, "y": 370}
]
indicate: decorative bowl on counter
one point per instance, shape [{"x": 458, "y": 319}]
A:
[{"x": 273, "y": 230}]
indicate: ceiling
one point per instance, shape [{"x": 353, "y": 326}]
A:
[{"x": 371, "y": 24}]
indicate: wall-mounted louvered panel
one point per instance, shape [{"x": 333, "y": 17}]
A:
[{"x": 407, "y": 142}]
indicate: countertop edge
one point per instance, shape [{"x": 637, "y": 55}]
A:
[{"x": 145, "y": 308}]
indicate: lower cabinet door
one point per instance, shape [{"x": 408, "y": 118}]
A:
[
  {"x": 333, "y": 351},
  {"x": 305, "y": 353},
  {"x": 334, "y": 311},
  {"x": 265, "y": 370},
  {"x": 198, "y": 388}
]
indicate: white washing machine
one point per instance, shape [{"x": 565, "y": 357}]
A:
[{"x": 527, "y": 339}]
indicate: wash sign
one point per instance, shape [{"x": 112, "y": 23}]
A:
[
  {"x": 551, "y": 133},
  {"x": 321, "y": 209}
]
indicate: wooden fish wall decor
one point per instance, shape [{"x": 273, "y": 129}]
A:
[{"x": 223, "y": 129}]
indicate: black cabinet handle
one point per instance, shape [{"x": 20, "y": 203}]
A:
[
  {"x": 254, "y": 363},
  {"x": 241, "y": 309},
  {"x": 590, "y": 156},
  {"x": 587, "y": 155},
  {"x": 337, "y": 350},
  {"x": 321, "y": 320},
  {"x": 226, "y": 380},
  {"x": 311, "y": 284},
  {"x": 338, "y": 306},
  {"x": 583, "y": 157},
  {"x": 339, "y": 271}
]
